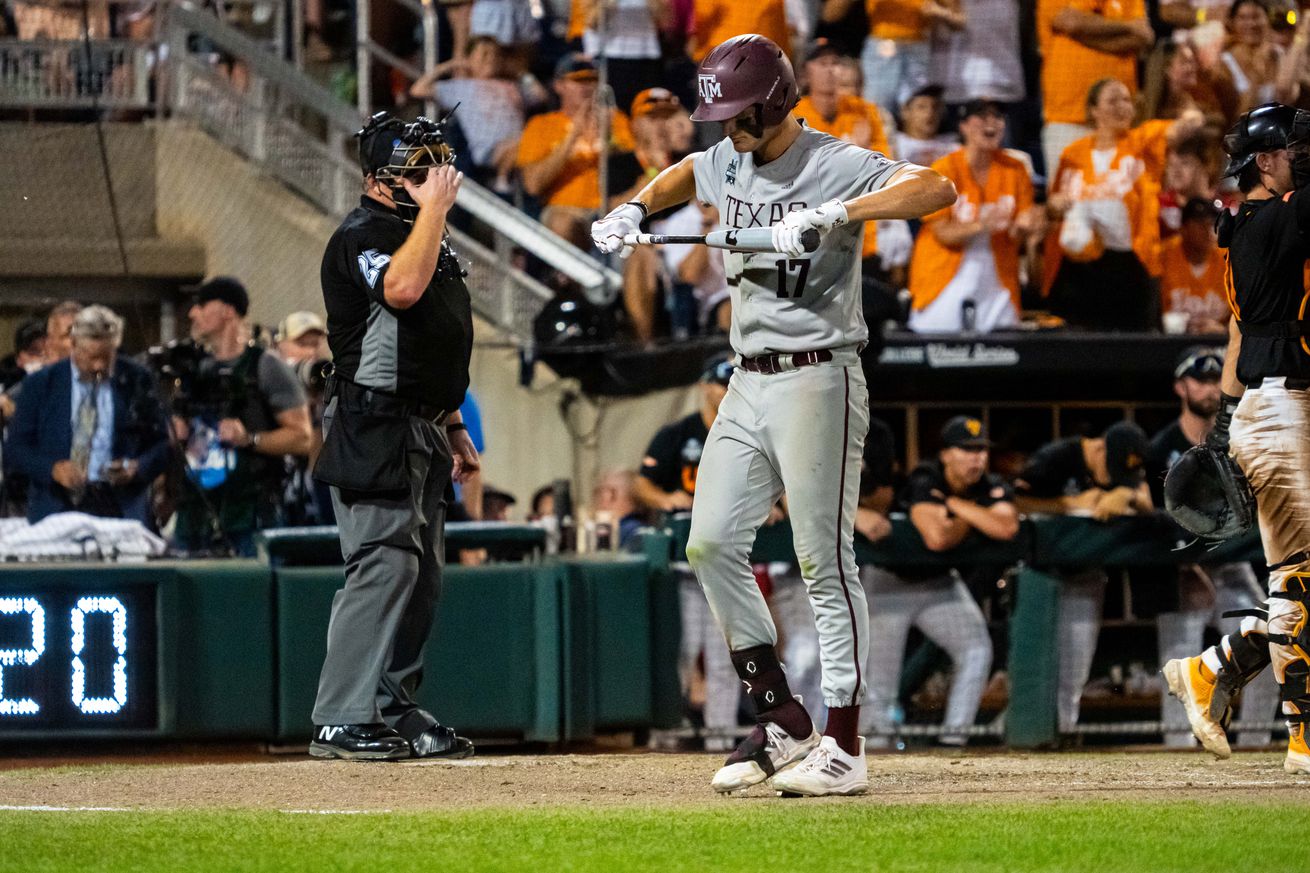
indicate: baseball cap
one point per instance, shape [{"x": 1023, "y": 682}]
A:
[
  {"x": 718, "y": 370},
  {"x": 576, "y": 66},
  {"x": 1125, "y": 454},
  {"x": 981, "y": 106},
  {"x": 655, "y": 101},
  {"x": 297, "y": 324},
  {"x": 1205, "y": 363},
  {"x": 965, "y": 432},
  {"x": 227, "y": 289},
  {"x": 822, "y": 46}
]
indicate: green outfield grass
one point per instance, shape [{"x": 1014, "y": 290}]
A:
[{"x": 745, "y": 835}]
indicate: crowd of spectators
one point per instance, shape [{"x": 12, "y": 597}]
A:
[{"x": 1075, "y": 163}]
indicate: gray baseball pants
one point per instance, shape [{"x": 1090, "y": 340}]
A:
[
  {"x": 944, "y": 610},
  {"x": 801, "y": 431},
  {"x": 394, "y": 548}
]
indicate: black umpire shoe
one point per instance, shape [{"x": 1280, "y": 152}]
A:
[
  {"x": 440, "y": 741},
  {"x": 358, "y": 742}
]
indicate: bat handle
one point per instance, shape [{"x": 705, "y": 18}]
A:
[{"x": 810, "y": 240}]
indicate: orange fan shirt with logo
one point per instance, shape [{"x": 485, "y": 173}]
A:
[
  {"x": 578, "y": 183},
  {"x": 857, "y": 121},
  {"x": 717, "y": 21},
  {"x": 1007, "y": 191},
  {"x": 1183, "y": 289},
  {"x": 900, "y": 20},
  {"x": 1069, "y": 68},
  {"x": 1126, "y": 180}
]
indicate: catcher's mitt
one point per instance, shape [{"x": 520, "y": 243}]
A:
[{"x": 1207, "y": 493}]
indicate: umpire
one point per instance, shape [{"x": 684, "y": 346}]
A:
[{"x": 401, "y": 332}]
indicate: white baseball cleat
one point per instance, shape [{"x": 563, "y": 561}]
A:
[
  {"x": 1194, "y": 685},
  {"x": 826, "y": 771},
  {"x": 768, "y": 750},
  {"x": 1298, "y": 753}
]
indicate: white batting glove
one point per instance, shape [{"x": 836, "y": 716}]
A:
[
  {"x": 787, "y": 233},
  {"x": 608, "y": 233},
  {"x": 894, "y": 242}
]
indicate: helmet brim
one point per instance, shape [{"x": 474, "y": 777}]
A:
[{"x": 717, "y": 111}]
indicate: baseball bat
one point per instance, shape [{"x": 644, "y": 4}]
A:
[{"x": 751, "y": 239}]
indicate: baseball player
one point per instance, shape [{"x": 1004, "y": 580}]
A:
[
  {"x": 796, "y": 411},
  {"x": 1208, "y": 593},
  {"x": 1264, "y": 423},
  {"x": 949, "y": 499}
]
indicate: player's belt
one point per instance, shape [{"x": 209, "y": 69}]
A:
[
  {"x": 1275, "y": 329},
  {"x": 769, "y": 364}
]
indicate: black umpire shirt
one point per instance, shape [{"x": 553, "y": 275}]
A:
[
  {"x": 421, "y": 353},
  {"x": 1268, "y": 242}
]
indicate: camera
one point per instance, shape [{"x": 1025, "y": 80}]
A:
[{"x": 313, "y": 373}]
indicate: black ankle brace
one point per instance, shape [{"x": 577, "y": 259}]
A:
[{"x": 762, "y": 674}]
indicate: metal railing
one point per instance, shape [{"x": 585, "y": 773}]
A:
[
  {"x": 107, "y": 73},
  {"x": 293, "y": 128}
]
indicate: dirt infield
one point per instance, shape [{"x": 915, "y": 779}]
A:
[{"x": 638, "y": 780}]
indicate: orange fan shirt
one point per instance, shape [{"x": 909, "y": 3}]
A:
[
  {"x": 1151, "y": 141},
  {"x": 1126, "y": 180},
  {"x": 857, "y": 121},
  {"x": 579, "y": 18},
  {"x": 1183, "y": 289},
  {"x": 578, "y": 183},
  {"x": 717, "y": 21},
  {"x": 901, "y": 20},
  {"x": 1069, "y": 68},
  {"x": 1008, "y": 191}
]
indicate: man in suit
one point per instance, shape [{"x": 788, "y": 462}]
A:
[{"x": 89, "y": 431}]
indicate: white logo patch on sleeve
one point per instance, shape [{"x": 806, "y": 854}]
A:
[{"x": 371, "y": 263}]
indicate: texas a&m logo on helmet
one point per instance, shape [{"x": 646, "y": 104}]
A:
[{"x": 709, "y": 87}]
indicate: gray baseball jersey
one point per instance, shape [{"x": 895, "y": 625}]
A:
[{"x": 782, "y": 304}]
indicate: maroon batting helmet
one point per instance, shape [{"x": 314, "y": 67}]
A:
[{"x": 744, "y": 71}]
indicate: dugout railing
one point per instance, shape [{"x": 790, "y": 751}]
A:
[{"x": 540, "y": 649}]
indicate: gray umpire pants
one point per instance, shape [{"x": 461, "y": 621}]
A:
[{"x": 381, "y": 619}]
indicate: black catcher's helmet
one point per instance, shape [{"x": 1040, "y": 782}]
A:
[
  {"x": 391, "y": 149},
  {"x": 1268, "y": 128}
]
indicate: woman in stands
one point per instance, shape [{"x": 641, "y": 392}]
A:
[
  {"x": 1106, "y": 231},
  {"x": 1175, "y": 83},
  {"x": 1251, "y": 60}
]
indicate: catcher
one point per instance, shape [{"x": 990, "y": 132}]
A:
[{"x": 1264, "y": 427}]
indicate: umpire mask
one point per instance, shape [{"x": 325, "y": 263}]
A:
[{"x": 392, "y": 150}]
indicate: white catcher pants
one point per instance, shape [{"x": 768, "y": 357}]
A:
[{"x": 800, "y": 431}]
